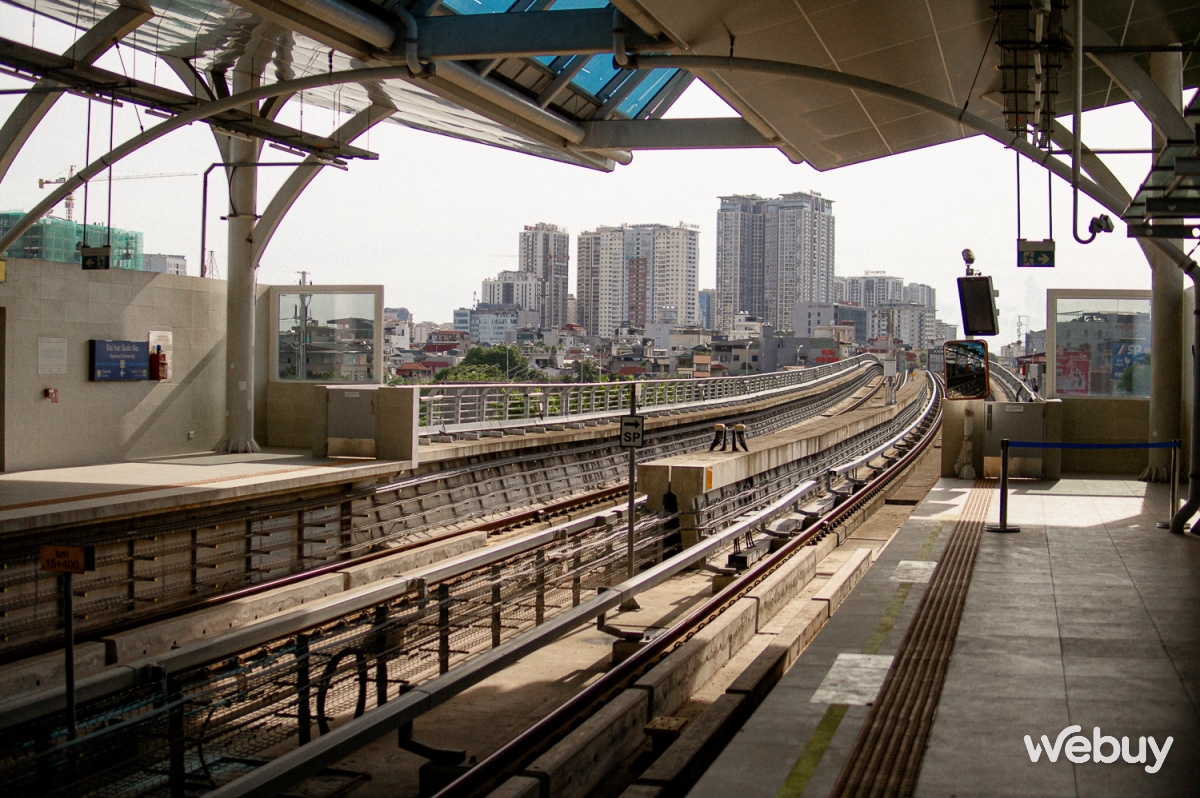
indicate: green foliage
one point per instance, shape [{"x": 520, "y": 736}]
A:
[
  {"x": 492, "y": 364},
  {"x": 505, "y": 358},
  {"x": 582, "y": 371}
]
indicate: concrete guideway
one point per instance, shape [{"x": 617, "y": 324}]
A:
[
  {"x": 718, "y": 675},
  {"x": 464, "y": 676},
  {"x": 362, "y": 505}
]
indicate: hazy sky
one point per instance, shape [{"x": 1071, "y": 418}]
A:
[{"x": 434, "y": 216}]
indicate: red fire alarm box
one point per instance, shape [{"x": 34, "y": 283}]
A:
[{"x": 158, "y": 364}]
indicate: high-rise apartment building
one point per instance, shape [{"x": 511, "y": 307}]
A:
[
  {"x": 523, "y": 289},
  {"x": 642, "y": 274},
  {"x": 838, "y": 291},
  {"x": 873, "y": 289},
  {"x": 546, "y": 253},
  {"x": 676, "y": 273},
  {"x": 920, "y": 294},
  {"x": 772, "y": 253},
  {"x": 706, "y": 300}
]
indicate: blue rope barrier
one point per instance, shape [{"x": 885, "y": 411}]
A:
[{"x": 1036, "y": 445}]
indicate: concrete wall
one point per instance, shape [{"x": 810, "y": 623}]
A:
[
  {"x": 97, "y": 422},
  {"x": 1096, "y": 420},
  {"x": 289, "y": 416}
]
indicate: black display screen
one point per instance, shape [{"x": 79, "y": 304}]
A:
[{"x": 978, "y": 303}]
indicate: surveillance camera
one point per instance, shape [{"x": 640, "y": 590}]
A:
[
  {"x": 968, "y": 257},
  {"x": 1100, "y": 224}
]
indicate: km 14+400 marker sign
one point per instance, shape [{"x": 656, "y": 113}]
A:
[{"x": 633, "y": 431}]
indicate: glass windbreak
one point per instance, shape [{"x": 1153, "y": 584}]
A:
[
  {"x": 327, "y": 337},
  {"x": 1102, "y": 347}
]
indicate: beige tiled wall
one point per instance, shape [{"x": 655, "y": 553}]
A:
[{"x": 102, "y": 422}]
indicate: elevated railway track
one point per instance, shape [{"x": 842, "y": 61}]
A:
[
  {"x": 262, "y": 708},
  {"x": 150, "y": 567}
]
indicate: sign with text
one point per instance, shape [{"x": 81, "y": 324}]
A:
[
  {"x": 52, "y": 356},
  {"x": 1128, "y": 356},
  {"x": 1073, "y": 372},
  {"x": 633, "y": 431},
  {"x": 68, "y": 559},
  {"x": 118, "y": 361}
]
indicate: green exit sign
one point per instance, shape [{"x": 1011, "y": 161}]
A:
[
  {"x": 1036, "y": 254},
  {"x": 96, "y": 258}
]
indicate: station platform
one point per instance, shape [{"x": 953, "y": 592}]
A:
[
  {"x": 55, "y": 496},
  {"x": 1089, "y": 616}
]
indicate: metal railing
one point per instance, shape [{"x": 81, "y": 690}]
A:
[
  {"x": 459, "y": 408},
  {"x": 1013, "y": 384}
]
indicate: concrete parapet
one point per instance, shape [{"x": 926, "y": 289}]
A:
[
  {"x": 682, "y": 764},
  {"x": 517, "y": 787},
  {"x": 642, "y": 791},
  {"x": 765, "y": 671},
  {"x": 673, "y": 681},
  {"x": 774, "y": 592},
  {"x": 579, "y": 762},
  {"x": 835, "y": 591},
  {"x": 156, "y": 638},
  {"x": 397, "y": 423},
  {"x": 46, "y": 670},
  {"x": 691, "y": 476},
  {"x": 357, "y": 575}
]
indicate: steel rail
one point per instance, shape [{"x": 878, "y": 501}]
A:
[
  {"x": 196, "y": 655},
  {"x": 512, "y": 757},
  {"x": 315, "y": 503},
  {"x": 130, "y": 675},
  {"x": 302, "y": 762}
]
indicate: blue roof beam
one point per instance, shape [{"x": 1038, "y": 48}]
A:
[
  {"x": 672, "y": 134},
  {"x": 469, "y": 37}
]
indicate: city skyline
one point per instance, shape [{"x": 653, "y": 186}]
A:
[{"x": 908, "y": 214}]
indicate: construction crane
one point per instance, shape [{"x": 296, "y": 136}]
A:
[{"x": 69, "y": 202}]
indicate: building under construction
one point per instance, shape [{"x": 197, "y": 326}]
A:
[{"x": 60, "y": 240}]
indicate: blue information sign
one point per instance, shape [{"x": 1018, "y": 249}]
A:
[
  {"x": 115, "y": 361},
  {"x": 1127, "y": 356}
]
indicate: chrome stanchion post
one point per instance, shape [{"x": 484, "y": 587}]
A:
[{"x": 1003, "y": 525}]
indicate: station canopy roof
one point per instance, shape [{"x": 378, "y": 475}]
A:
[{"x": 940, "y": 48}]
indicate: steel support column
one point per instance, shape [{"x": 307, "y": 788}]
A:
[
  {"x": 86, "y": 50},
  {"x": 239, "y": 296},
  {"x": 1166, "y": 308}
]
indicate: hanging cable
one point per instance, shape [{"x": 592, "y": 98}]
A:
[
  {"x": 982, "y": 57},
  {"x": 1077, "y": 126},
  {"x": 87, "y": 158},
  {"x": 112, "y": 113},
  {"x": 117, "y": 46},
  {"x": 1050, "y": 201},
  {"x": 1018, "y": 194}
]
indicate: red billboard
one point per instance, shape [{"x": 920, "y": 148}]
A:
[{"x": 1071, "y": 373}]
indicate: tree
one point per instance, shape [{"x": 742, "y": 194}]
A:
[
  {"x": 583, "y": 371},
  {"x": 504, "y": 357},
  {"x": 492, "y": 364}
]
